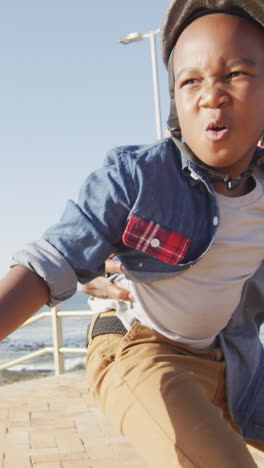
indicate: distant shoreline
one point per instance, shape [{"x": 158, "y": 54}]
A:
[{"x": 10, "y": 376}]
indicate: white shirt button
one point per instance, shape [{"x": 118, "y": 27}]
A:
[
  {"x": 155, "y": 242},
  {"x": 215, "y": 220}
]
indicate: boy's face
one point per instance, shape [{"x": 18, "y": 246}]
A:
[{"x": 219, "y": 90}]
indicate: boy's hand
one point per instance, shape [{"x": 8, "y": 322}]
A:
[{"x": 104, "y": 289}]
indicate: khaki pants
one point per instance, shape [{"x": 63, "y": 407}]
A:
[{"x": 167, "y": 399}]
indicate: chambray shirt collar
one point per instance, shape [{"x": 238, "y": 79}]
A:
[{"x": 190, "y": 169}]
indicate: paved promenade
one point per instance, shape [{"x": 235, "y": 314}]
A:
[{"x": 52, "y": 422}]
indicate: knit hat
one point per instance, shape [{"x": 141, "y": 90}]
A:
[{"x": 180, "y": 13}]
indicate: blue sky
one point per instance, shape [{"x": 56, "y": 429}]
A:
[{"x": 68, "y": 93}]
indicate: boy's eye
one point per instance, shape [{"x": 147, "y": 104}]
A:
[
  {"x": 234, "y": 74},
  {"x": 189, "y": 81}
]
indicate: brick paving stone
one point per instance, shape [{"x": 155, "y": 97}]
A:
[
  {"x": 17, "y": 438},
  {"x": 18, "y": 425},
  {"x": 41, "y": 455},
  {"x": 98, "y": 450},
  {"x": 68, "y": 441},
  {"x": 75, "y": 404},
  {"x": 76, "y": 464},
  {"x": 42, "y": 439},
  {"x": 64, "y": 423},
  {"x": 1, "y": 458},
  {"x": 47, "y": 465},
  {"x": 45, "y": 457},
  {"x": 39, "y": 418},
  {"x": 19, "y": 415},
  {"x": 3, "y": 428},
  {"x": 116, "y": 464},
  {"x": 4, "y": 413},
  {"x": 16, "y": 460},
  {"x": 77, "y": 456}
]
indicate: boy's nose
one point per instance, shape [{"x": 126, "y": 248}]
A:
[{"x": 214, "y": 96}]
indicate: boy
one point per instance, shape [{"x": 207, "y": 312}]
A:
[{"x": 186, "y": 219}]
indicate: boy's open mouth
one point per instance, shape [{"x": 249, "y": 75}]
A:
[{"x": 216, "y": 130}]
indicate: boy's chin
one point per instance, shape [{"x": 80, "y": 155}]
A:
[
  {"x": 221, "y": 160},
  {"x": 211, "y": 160}
]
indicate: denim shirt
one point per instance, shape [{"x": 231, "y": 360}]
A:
[{"x": 158, "y": 213}]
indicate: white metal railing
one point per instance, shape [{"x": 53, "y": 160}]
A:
[{"x": 57, "y": 349}]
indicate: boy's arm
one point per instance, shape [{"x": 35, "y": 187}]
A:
[{"x": 22, "y": 293}]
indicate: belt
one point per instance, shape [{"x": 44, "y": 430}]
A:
[{"x": 105, "y": 325}]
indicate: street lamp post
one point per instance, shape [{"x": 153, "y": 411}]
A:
[{"x": 135, "y": 37}]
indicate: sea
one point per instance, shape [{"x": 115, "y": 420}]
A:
[{"x": 39, "y": 335}]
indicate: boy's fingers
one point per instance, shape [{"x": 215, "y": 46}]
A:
[
  {"x": 113, "y": 266},
  {"x": 96, "y": 287},
  {"x": 102, "y": 288},
  {"x": 120, "y": 294}
]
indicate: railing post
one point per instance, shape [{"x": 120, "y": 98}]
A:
[
  {"x": 57, "y": 341},
  {"x": 57, "y": 349}
]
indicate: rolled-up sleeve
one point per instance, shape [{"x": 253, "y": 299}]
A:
[{"x": 42, "y": 258}]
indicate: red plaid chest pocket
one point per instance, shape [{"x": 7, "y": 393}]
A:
[{"x": 150, "y": 238}]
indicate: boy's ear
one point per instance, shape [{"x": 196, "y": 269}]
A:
[
  {"x": 173, "y": 121},
  {"x": 261, "y": 141}
]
